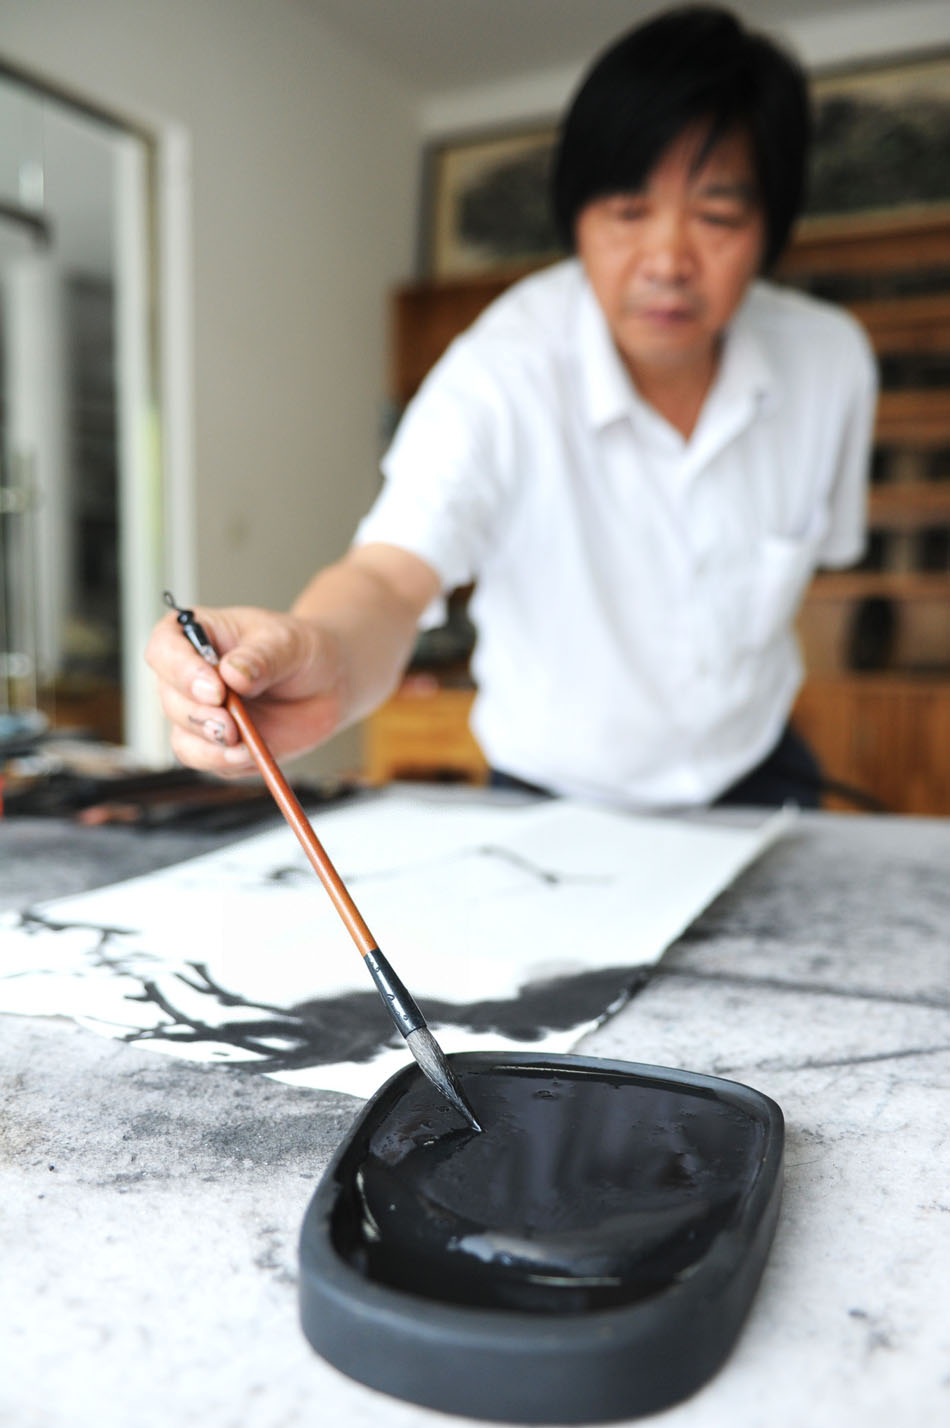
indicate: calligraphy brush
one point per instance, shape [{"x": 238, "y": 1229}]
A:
[{"x": 406, "y": 1016}]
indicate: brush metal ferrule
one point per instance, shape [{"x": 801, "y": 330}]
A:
[
  {"x": 405, "y": 1014},
  {"x": 194, "y": 631}
]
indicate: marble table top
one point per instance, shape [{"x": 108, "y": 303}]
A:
[{"x": 150, "y": 1207}]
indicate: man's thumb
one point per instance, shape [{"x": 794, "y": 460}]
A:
[{"x": 250, "y": 669}]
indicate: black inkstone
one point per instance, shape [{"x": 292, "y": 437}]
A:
[{"x": 590, "y": 1255}]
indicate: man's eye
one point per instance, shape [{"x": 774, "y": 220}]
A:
[
  {"x": 723, "y": 217},
  {"x": 626, "y": 210}
]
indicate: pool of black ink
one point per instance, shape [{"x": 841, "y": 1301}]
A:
[
  {"x": 590, "y": 1256},
  {"x": 587, "y": 1188}
]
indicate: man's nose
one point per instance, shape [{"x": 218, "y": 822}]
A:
[{"x": 667, "y": 252}]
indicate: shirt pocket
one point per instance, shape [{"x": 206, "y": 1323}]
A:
[{"x": 779, "y": 577}]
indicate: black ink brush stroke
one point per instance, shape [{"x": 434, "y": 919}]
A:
[
  {"x": 32, "y": 922},
  {"x": 291, "y": 872},
  {"x": 354, "y": 1027},
  {"x": 100, "y": 955}
]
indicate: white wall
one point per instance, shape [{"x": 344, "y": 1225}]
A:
[{"x": 303, "y": 157}]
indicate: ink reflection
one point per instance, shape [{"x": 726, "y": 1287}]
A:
[{"x": 586, "y": 1189}]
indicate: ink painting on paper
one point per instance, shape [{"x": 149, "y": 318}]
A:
[{"x": 516, "y": 928}]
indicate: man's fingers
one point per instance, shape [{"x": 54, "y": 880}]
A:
[
  {"x": 179, "y": 666},
  {"x": 260, "y": 652},
  {"x": 274, "y": 655},
  {"x": 196, "y": 751},
  {"x": 284, "y": 665},
  {"x": 207, "y": 720}
]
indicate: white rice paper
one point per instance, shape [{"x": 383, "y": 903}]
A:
[{"x": 219, "y": 958}]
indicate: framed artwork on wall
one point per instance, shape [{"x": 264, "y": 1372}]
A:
[
  {"x": 486, "y": 202},
  {"x": 882, "y": 139},
  {"x": 882, "y": 146}
]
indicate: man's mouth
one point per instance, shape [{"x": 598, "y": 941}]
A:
[
  {"x": 671, "y": 313},
  {"x": 661, "y": 312}
]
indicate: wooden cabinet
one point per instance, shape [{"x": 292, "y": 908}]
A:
[
  {"x": 425, "y": 317},
  {"x": 885, "y": 735},
  {"x": 876, "y": 640},
  {"x": 422, "y": 732}
]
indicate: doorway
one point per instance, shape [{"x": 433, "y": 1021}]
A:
[{"x": 81, "y": 493}]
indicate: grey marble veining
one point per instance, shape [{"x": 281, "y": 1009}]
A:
[
  {"x": 149, "y": 1275},
  {"x": 867, "y": 912},
  {"x": 150, "y": 1218}
]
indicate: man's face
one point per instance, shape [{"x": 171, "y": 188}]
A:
[{"x": 669, "y": 264}]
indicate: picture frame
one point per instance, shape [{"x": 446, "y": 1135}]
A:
[
  {"x": 881, "y": 140},
  {"x": 881, "y": 146},
  {"x": 486, "y": 203}
]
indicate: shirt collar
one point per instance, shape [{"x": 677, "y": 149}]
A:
[
  {"x": 745, "y": 372},
  {"x": 744, "y": 387},
  {"x": 745, "y": 379},
  {"x": 606, "y": 384}
]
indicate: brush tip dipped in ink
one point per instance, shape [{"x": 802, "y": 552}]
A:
[
  {"x": 435, "y": 1066},
  {"x": 411, "y": 1024}
]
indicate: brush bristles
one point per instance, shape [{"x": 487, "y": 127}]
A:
[{"x": 432, "y": 1061}]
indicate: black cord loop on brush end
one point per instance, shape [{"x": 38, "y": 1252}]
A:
[{"x": 193, "y": 631}]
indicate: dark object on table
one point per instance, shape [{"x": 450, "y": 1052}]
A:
[
  {"x": 873, "y": 633},
  {"x": 449, "y": 646},
  {"x": 170, "y": 798},
  {"x": 20, "y": 731},
  {"x": 591, "y": 1255}
]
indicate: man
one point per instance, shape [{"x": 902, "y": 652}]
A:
[{"x": 639, "y": 456}]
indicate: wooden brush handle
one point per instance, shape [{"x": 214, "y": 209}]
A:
[{"x": 289, "y": 806}]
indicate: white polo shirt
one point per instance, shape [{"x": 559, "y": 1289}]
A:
[{"x": 635, "y": 591}]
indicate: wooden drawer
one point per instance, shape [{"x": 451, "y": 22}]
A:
[{"x": 422, "y": 732}]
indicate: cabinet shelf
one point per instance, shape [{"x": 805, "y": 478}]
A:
[
  {"x": 906, "y": 505},
  {"x": 909, "y": 324},
  {"x": 893, "y": 584},
  {"x": 917, "y": 419},
  {"x": 870, "y": 245}
]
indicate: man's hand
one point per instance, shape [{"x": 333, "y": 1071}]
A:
[
  {"x": 306, "y": 674},
  {"x": 286, "y": 664}
]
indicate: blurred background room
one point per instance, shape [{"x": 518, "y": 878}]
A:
[{"x": 234, "y": 235}]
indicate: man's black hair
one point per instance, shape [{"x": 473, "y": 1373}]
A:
[{"x": 696, "y": 65}]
